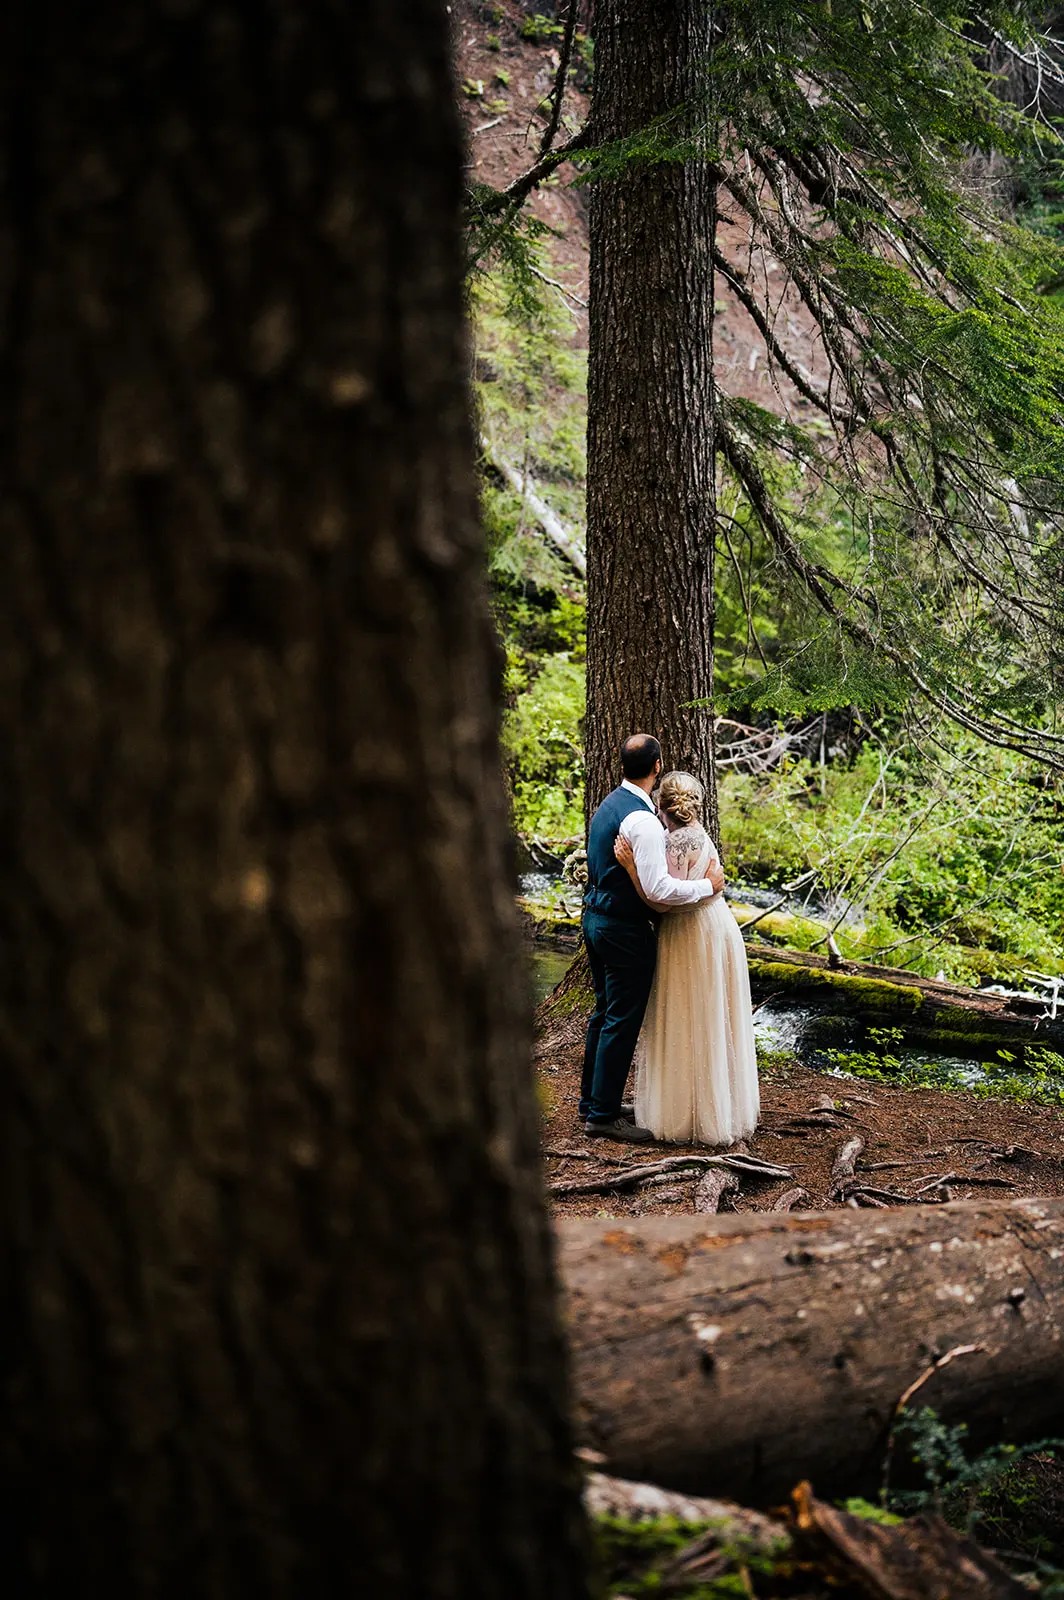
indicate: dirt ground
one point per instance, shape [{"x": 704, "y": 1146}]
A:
[{"x": 911, "y": 1137}]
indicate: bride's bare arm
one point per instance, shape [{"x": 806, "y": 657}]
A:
[{"x": 626, "y": 856}]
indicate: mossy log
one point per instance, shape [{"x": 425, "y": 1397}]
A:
[
  {"x": 734, "y": 1355},
  {"x": 622, "y": 1500},
  {"x": 945, "y": 1015},
  {"x": 550, "y": 926}
]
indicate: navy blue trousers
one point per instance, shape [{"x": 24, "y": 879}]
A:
[{"x": 622, "y": 956}]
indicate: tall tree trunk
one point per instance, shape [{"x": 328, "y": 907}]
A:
[
  {"x": 650, "y": 398},
  {"x": 278, "y": 1262}
]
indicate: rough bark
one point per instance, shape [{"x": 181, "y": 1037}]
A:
[
  {"x": 650, "y": 502},
  {"x": 277, "y": 1260},
  {"x": 739, "y": 1356}
]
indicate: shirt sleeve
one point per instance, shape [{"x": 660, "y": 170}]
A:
[{"x": 647, "y": 838}]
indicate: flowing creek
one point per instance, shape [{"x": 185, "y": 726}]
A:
[{"x": 795, "y": 1032}]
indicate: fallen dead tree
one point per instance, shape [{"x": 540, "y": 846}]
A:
[
  {"x": 740, "y": 1354},
  {"x": 944, "y": 1016},
  {"x": 546, "y": 519},
  {"x": 927, "y": 1009}
]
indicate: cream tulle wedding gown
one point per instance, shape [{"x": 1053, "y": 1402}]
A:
[{"x": 696, "y": 1066}]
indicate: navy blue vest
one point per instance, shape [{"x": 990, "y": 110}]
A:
[{"x": 610, "y": 890}]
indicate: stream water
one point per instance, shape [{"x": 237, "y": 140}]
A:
[{"x": 792, "y": 1030}]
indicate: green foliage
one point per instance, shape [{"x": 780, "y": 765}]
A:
[
  {"x": 1040, "y": 1081},
  {"x": 531, "y": 387},
  {"x": 954, "y": 1481},
  {"x": 540, "y": 29},
  {"x": 541, "y": 739},
  {"x": 934, "y": 855},
  {"x": 641, "y": 1560},
  {"x": 530, "y": 395},
  {"x": 1008, "y": 1497}
]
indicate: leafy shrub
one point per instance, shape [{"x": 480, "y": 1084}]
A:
[{"x": 544, "y": 752}]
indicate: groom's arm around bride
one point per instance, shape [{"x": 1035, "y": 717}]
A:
[{"x": 620, "y": 937}]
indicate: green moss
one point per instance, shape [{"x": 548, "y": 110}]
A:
[
  {"x": 781, "y": 927},
  {"x": 548, "y": 920},
  {"x": 579, "y": 999},
  {"x": 874, "y": 995},
  {"x": 970, "y": 1028},
  {"x": 635, "y": 1558}
]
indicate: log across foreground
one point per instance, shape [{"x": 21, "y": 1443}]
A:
[{"x": 736, "y": 1355}]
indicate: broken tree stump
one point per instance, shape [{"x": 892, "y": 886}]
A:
[{"x": 736, "y": 1355}]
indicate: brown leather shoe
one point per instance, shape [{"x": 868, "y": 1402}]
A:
[{"x": 620, "y": 1128}]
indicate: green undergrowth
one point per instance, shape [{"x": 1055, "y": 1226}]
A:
[
  {"x": 530, "y": 388},
  {"x": 1039, "y": 1080},
  {"x": 1009, "y": 1498},
  {"x": 946, "y": 862},
  {"x": 645, "y": 1559}
]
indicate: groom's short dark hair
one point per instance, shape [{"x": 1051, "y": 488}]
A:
[{"x": 640, "y": 754}]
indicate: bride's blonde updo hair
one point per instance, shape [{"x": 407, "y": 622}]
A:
[{"x": 680, "y": 796}]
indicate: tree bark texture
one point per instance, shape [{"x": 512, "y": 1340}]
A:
[
  {"x": 278, "y": 1266},
  {"x": 650, "y": 494},
  {"x": 739, "y": 1356}
]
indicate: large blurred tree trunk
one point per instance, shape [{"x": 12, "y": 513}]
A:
[
  {"x": 279, "y": 1304},
  {"x": 650, "y": 399}
]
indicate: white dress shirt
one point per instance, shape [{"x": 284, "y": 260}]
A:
[{"x": 645, "y": 834}]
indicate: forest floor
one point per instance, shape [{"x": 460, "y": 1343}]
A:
[{"x": 911, "y": 1137}]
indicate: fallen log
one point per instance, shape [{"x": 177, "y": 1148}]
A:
[
  {"x": 546, "y": 518},
  {"x": 740, "y": 1354},
  {"x": 928, "y": 1009},
  {"x": 949, "y": 1017},
  {"x": 912, "y": 1561},
  {"x": 648, "y": 1502},
  {"x": 909, "y": 1560}
]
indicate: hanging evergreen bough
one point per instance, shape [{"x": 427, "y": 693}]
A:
[{"x": 926, "y": 415}]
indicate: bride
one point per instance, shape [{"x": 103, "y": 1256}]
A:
[{"x": 696, "y": 1077}]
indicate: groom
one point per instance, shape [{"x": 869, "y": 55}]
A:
[{"x": 620, "y": 933}]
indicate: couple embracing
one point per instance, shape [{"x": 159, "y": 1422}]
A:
[{"x": 668, "y": 964}]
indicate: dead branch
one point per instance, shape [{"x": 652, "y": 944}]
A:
[{"x": 548, "y": 520}]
